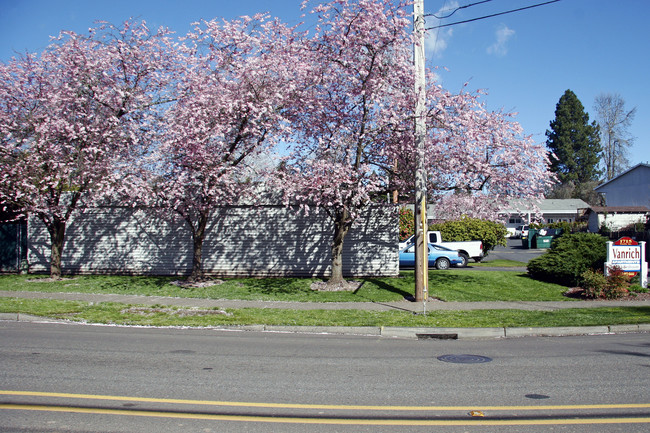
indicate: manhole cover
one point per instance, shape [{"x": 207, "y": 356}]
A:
[{"x": 464, "y": 359}]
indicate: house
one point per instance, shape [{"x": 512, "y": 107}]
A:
[
  {"x": 631, "y": 188},
  {"x": 616, "y": 218},
  {"x": 549, "y": 210},
  {"x": 523, "y": 212},
  {"x": 627, "y": 200}
]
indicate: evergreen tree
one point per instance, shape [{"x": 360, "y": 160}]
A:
[{"x": 574, "y": 142}]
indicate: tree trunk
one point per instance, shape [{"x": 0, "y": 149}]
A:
[
  {"x": 57, "y": 236},
  {"x": 198, "y": 236},
  {"x": 341, "y": 227}
]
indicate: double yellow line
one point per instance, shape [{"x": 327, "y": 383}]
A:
[{"x": 324, "y": 420}]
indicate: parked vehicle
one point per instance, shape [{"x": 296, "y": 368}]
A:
[
  {"x": 466, "y": 249},
  {"x": 439, "y": 257},
  {"x": 521, "y": 231}
]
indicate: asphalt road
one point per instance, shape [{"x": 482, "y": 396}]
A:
[
  {"x": 514, "y": 251},
  {"x": 75, "y": 378}
]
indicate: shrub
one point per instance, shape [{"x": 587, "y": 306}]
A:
[
  {"x": 612, "y": 286},
  {"x": 618, "y": 283},
  {"x": 604, "y": 229},
  {"x": 569, "y": 257},
  {"x": 471, "y": 229},
  {"x": 406, "y": 223},
  {"x": 593, "y": 283}
]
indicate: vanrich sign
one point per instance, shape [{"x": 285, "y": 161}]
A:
[{"x": 628, "y": 255}]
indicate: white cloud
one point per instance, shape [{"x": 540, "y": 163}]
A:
[
  {"x": 437, "y": 40},
  {"x": 499, "y": 48}
]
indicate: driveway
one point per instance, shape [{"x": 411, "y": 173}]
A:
[{"x": 514, "y": 251}]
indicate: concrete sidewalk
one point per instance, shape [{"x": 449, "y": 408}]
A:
[{"x": 422, "y": 333}]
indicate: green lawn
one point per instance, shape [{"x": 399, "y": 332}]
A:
[
  {"x": 451, "y": 285},
  {"x": 471, "y": 286}
]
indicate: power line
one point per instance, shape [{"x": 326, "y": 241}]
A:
[
  {"x": 457, "y": 9},
  {"x": 493, "y": 15}
]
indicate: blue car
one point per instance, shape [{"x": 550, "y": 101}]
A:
[{"x": 439, "y": 257}]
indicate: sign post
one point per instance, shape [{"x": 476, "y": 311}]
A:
[{"x": 628, "y": 255}]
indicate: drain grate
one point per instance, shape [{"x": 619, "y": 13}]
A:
[
  {"x": 437, "y": 336},
  {"x": 464, "y": 359},
  {"x": 537, "y": 396}
]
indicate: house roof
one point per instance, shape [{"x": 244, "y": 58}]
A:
[
  {"x": 561, "y": 205},
  {"x": 547, "y": 206},
  {"x": 620, "y": 209},
  {"x": 646, "y": 165}
]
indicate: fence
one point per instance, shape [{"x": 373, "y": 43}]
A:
[{"x": 240, "y": 241}]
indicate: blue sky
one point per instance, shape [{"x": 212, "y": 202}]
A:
[{"x": 525, "y": 60}]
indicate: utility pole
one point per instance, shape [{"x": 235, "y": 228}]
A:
[{"x": 421, "y": 238}]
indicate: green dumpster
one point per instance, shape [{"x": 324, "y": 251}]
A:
[
  {"x": 542, "y": 241},
  {"x": 527, "y": 241}
]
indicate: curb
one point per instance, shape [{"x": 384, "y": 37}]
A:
[
  {"x": 20, "y": 317},
  {"x": 451, "y": 333},
  {"x": 398, "y": 332}
]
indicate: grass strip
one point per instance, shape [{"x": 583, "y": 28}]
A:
[
  {"x": 452, "y": 285},
  {"x": 122, "y": 314}
]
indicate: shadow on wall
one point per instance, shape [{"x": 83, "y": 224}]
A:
[
  {"x": 240, "y": 241},
  {"x": 114, "y": 240}
]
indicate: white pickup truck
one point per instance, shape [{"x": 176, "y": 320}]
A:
[{"x": 467, "y": 249}]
